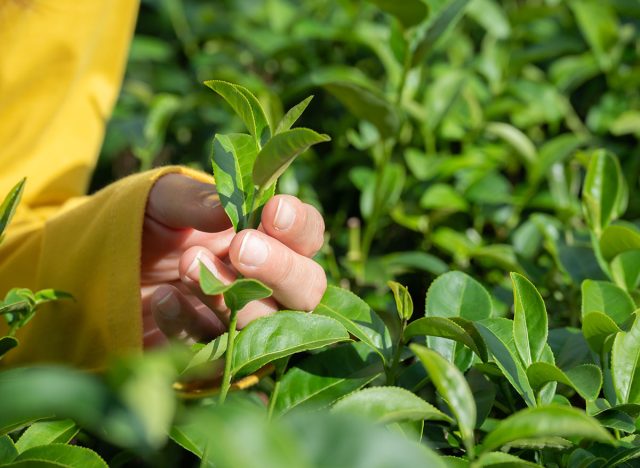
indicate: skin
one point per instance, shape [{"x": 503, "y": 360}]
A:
[{"x": 185, "y": 224}]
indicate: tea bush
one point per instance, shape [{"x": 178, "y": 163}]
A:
[{"x": 483, "y": 240}]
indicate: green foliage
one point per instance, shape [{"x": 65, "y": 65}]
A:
[{"x": 483, "y": 165}]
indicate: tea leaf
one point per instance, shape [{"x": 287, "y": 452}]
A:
[
  {"x": 604, "y": 195},
  {"x": 47, "y": 432},
  {"x": 404, "y": 303},
  {"x": 625, "y": 364},
  {"x": 282, "y": 334},
  {"x": 213, "y": 350},
  {"x": 618, "y": 239},
  {"x": 585, "y": 379},
  {"x": 358, "y": 318},
  {"x": 322, "y": 378},
  {"x": 8, "y": 449},
  {"x": 530, "y": 328},
  {"x": 429, "y": 34},
  {"x": 7, "y": 343},
  {"x": 516, "y": 139},
  {"x": 292, "y": 116},
  {"x": 237, "y": 294},
  {"x": 279, "y": 153},
  {"x": 625, "y": 269},
  {"x": 9, "y": 205},
  {"x": 408, "y": 12},
  {"x": 233, "y": 158},
  {"x": 502, "y": 460},
  {"x": 532, "y": 423},
  {"x": 388, "y": 404},
  {"x": 69, "y": 456},
  {"x": 451, "y": 329},
  {"x": 498, "y": 336},
  {"x": 599, "y": 25},
  {"x": 455, "y": 294},
  {"x": 596, "y": 328},
  {"x": 453, "y": 388},
  {"x": 246, "y": 105},
  {"x": 602, "y": 296}
]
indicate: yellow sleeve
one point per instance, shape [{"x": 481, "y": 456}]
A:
[{"x": 61, "y": 68}]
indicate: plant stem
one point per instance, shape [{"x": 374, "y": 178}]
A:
[
  {"x": 226, "y": 378},
  {"x": 395, "y": 362},
  {"x": 273, "y": 398},
  {"x": 257, "y": 193}
]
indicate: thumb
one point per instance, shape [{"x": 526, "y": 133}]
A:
[{"x": 179, "y": 202}]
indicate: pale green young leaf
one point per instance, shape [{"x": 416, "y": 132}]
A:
[
  {"x": 443, "y": 197},
  {"x": 8, "y": 449},
  {"x": 625, "y": 269},
  {"x": 554, "y": 151},
  {"x": 237, "y": 294},
  {"x": 604, "y": 195},
  {"x": 292, "y": 116},
  {"x": 543, "y": 422},
  {"x": 246, "y": 106},
  {"x": 404, "y": 302},
  {"x": 213, "y": 350},
  {"x": 490, "y": 15},
  {"x": 388, "y": 404},
  {"x": 625, "y": 364},
  {"x": 605, "y": 297},
  {"x": 596, "y": 328},
  {"x": 453, "y": 388},
  {"x": 269, "y": 338},
  {"x": 9, "y": 205},
  {"x": 515, "y": 138},
  {"x": 498, "y": 336},
  {"x": 69, "y": 456},
  {"x": 279, "y": 153},
  {"x": 502, "y": 460},
  {"x": 451, "y": 329},
  {"x": 358, "y": 318},
  {"x": 47, "y": 432},
  {"x": 599, "y": 25},
  {"x": 233, "y": 158},
  {"x": 617, "y": 239},
  {"x": 530, "y": 324},
  {"x": 585, "y": 379},
  {"x": 322, "y": 378},
  {"x": 408, "y": 12}
]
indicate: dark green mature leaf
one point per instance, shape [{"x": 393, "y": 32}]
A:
[
  {"x": 292, "y": 115},
  {"x": 246, "y": 105},
  {"x": 530, "y": 327},
  {"x": 47, "y": 432},
  {"x": 548, "y": 421},
  {"x": 233, "y": 159},
  {"x": 602, "y": 296},
  {"x": 449, "y": 328},
  {"x": 404, "y": 303},
  {"x": 358, "y": 318},
  {"x": 279, "y": 153},
  {"x": 9, "y": 205},
  {"x": 7, "y": 343},
  {"x": 453, "y": 388},
  {"x": 237, "y": 294},
  {"x": 408, "y": 12},
  {"x": 388, "y": 404},
  {"x": 554, "y": 151},
  {"x": 8, "y": 449},
  {"x": 498, "y": 336},
  {"x": 455, "y": 294},
  {"x": 585, "y": 379},
  {"x": 428, "y": 35},
  {"x": 596, "y": 328},
  {"x": 322, "y": 378},
  {"x": 69, "y": 456},
  {"x": 625, "y": 364},
  {"x": 618, "y": 239},
  {"x": 604, "y": 195},
  {"x": 282, "y": 334}
]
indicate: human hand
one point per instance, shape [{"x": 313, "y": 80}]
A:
[{"x": 185, "y": 225}]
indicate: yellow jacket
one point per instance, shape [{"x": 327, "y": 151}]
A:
[{"x": 61, "y": 66}]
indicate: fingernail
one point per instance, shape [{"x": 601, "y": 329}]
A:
[
  {"x": 169, "y": 306},
  {"x": 285, "y": 215},
  {"x": 193, "y": 272},
  {"x": 253, "y": 250}
]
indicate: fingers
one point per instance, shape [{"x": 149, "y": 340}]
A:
[
  {"x": 297, "y": 281},
  {"x": 178, "y": 202},
  {"x": 190, "y": 274},
  {"x": 176, "y": 316},
  {"x": 297, "y": 225}
]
